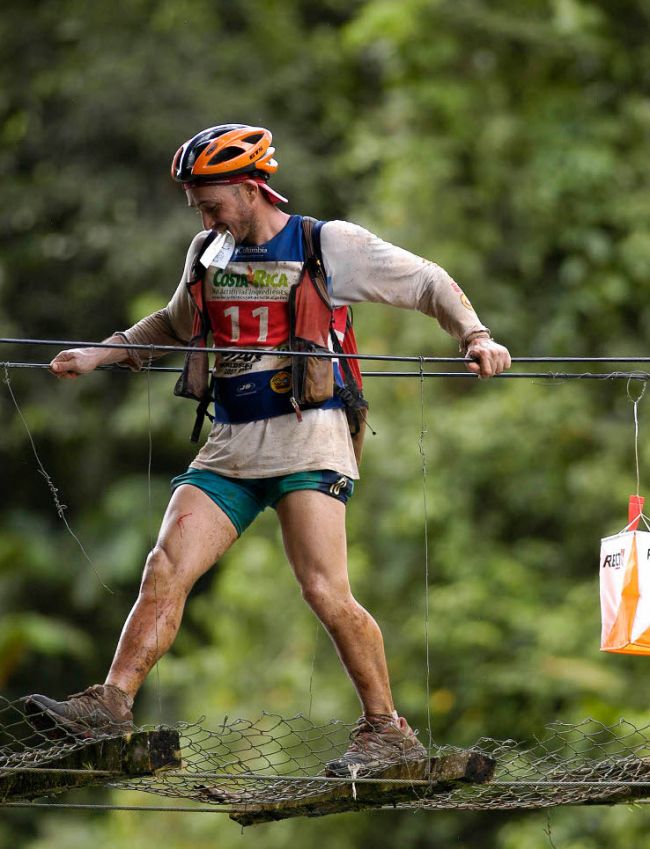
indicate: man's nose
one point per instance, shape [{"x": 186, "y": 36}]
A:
[{"x": 208, "y": 220}]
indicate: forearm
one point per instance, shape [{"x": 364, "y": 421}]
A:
[
  {"x": 442, "y": 298},
  {"x": 78, "y": 361},
  {"x": 155, "y": 329},
  {"x": 109, "y": 356}
]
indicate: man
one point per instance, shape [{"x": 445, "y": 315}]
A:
[{"x": 265, "y": 448}]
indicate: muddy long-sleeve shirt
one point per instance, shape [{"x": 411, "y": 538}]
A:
[{"x": 360, "y": 268}]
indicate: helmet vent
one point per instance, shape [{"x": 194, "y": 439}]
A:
[{"x": 225, "y": 154}]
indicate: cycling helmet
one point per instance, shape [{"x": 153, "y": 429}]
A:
[{"x": 228, "y": 153}]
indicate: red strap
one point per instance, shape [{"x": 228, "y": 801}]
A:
[
  {"x": 197, "y": 293},
  {"x": 350, "y": 347}
]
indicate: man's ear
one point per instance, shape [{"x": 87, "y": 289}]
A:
[{"x": 251, "y": 189}]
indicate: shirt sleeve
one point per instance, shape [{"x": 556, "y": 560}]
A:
[
  {"x": 171, "y": 325},
  {"x": 362, "y": 267}
]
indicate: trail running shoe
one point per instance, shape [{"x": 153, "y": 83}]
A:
[
  {"x": 377, "y": 742},
  {"x": 102, "y": 710}
]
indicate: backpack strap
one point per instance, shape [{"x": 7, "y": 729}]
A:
[
  {"x": 350, "y": 393},
  {"x": 194, "y": 382},
  {"x": 311, "y": 228},
  {"x": 310, "y": 320},
  {"x": 313, "y": 255}
]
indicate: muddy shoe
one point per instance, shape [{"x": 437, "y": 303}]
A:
[
  {"x": 100, "y": 711},
  {"x": 378, "y": 742}
]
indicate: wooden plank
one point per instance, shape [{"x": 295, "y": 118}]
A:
[
  {"x": 440, "y": 773},
  {"x": 632, "y": 769},
  {"x": 137, "y": 754}
]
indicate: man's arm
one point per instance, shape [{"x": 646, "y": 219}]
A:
[
  {"x": 171, "y": 325},
  {"x": 362, "y": 267},
  {"x": 76, "y": 361},
  {"x": 490, "y": 357}
]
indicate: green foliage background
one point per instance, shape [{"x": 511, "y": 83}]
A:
[{"x": 508, "y": 142}]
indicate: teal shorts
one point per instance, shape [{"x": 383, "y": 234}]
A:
[{"x": 242, "y": 499}]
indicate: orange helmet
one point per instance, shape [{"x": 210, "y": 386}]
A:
[{"x": 219, "y": 153}]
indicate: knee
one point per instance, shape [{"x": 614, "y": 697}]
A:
[
  {"x": 160, "y": 572},
  {"x": 327, "y": 598}
]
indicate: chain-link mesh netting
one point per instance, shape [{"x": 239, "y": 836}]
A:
[{"x": 275, "y": 762}]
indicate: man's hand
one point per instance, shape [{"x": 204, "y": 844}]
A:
[
  {"x": 76, "y": 361},
  {"x": 491, "y": 358}
]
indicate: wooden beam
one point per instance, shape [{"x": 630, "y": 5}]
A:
[
  {"x": 633, "y": 769},
  {"x": 440, "y": 773},
  {"x": 137, "y": 754}
]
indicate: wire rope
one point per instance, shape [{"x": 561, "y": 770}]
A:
[
  {"x": 554, "y": 376},
  {"x": 265, "y": 352}
]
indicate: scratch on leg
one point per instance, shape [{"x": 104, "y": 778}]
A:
[{"x": 180, "y": 520}]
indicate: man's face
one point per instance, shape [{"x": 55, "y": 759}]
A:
[{"x": 225, "y": 208}]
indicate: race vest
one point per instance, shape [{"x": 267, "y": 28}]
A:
[{"x": 247, "y": 307}]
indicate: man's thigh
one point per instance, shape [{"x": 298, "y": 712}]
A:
[
  {"x": 313, "y": 530},
  {"x": 195, "y": 532}
]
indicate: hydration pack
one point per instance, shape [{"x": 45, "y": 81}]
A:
[{"x": 311, "y": 323}]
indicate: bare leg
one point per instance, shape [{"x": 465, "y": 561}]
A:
[
  {"x": 193, "y": 536},
  {"x": 313, "y": 529}
]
